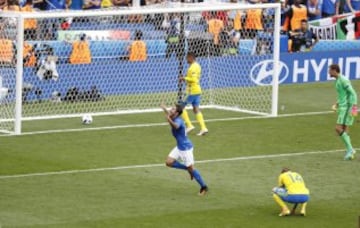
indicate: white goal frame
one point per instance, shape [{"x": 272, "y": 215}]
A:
[{"x": 176, "y": 8}]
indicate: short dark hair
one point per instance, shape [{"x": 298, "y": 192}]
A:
[
  {"x": 192, "y": 54},
  {"x": 13, "y": 2},
  {"x": 335, "y": 67},
  {"x": 285, "y": 169},
  {"x": 179, "y": 108},
  {"x": 304, "y": 21}
]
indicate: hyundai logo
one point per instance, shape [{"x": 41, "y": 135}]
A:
[{"x": 262, "y": 73}]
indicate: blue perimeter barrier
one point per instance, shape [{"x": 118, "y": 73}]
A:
[{"x": 113, "y": 49}]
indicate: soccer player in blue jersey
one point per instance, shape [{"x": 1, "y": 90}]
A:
[
  {"x": 184, "y": 148},
  {"x": 346, "y": 107}
]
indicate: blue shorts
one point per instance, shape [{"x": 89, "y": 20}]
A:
[
  {"x": 194, "y": 100},
  {"x": 295, "y": 198}
]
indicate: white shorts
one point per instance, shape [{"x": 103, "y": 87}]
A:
[{"x": 185, "y": 156}]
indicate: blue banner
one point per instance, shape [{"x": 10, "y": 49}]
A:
[
  {"x": 313, "y": 66},
  {"x": 304, "y": 67},
  {"x": 116, "y": 77}
]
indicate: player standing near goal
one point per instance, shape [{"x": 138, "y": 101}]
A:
[
  {"x": 193, "y": 90},
  {"x": 346, "y": 107},
  {"x": 184, "y": 147},
  {"x": 291, "y": 188}
]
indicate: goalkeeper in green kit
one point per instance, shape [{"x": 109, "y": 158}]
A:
[{"x": 346, "y": 107}]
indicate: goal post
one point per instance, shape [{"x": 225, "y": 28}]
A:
[{"x": 66, "y": 64}]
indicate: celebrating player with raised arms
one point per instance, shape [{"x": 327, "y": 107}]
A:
[{"x": 184, "y": 148}]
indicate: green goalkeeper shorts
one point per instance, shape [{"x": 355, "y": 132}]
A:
[{"x": 344, "y": 116}]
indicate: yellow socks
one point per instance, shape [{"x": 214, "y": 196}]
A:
[
  {"x": 186, "y": 118},
  {"x": 281, "y": 203},
  {"x": 200, "y": 119},
  {"x": 303, "y": 209}
]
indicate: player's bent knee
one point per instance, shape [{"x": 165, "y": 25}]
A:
[
  {"x": 190, "y": 168},
  {"x": 339, "y": 131},
  {"x": 169, "y": 162}
]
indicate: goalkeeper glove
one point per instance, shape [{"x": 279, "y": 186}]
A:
[{"x": 354, "y": 110}]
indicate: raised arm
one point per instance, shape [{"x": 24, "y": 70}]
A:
[
  {"x": 164, "y": 108},
  {"x": 168, "y": 117}
]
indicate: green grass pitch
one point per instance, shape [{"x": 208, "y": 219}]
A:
[{"x": 156, "y": 196}]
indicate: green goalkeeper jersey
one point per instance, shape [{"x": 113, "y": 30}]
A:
[{"x": 346, "y": 93}]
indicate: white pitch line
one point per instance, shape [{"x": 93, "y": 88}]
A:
[
  {"x": 160, "y": 165},
  {"x": 163, "y": 123}
]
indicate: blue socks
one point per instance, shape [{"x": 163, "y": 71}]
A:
[
  {"x": 178, "y": 165},
  {"x": 195, "y": 173},
  {"x": 198, "y": 178}
]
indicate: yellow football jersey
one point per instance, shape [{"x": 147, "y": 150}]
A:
[
  {"x": 192, "y": 79},
  {"x": 293, "y": 182}
]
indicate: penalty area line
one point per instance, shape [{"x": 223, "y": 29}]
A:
[{"x": 4, "y": 177}]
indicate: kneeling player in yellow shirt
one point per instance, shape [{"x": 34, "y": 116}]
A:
[{"x": 291, "y": 189}]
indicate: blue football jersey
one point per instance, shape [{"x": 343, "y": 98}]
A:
[{"x": 183, "y": 142}]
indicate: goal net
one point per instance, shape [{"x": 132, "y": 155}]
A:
[{"x": 66, "y": 64}]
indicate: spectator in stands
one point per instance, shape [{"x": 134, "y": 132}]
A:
[
  {"x": 352, "y": 6},
  {"x": 46, "y": 68},
  {"x": 302, "y": 39},
  {"x": 30, "y": 25},
  {"x": 264, "y": 38},
  {"x": 215, "y": 26},
  {"x": 12, "y": 5},
  {"x": 92, "y": 4},
  {"x": 157, "y": 18},
  {"x": 76, "y": 4},
  {"x": 314, "y": 9},
  {"x": 221, "y": 15},
  {"x": 81, "y": 53},
  {"x": 329, "y": 8},
  {"x": 137, "y": 49},
  {"x": 340, "y": 7},
  {"x": 253, "y": 22},
  {"x": 48, "y": 27},
  {"x": 50, "y": 4},
  {"x": 3, "y": 3},
  {"x": 229, "y": 40},
  {"x": 29, "y": 55},
  {"x": 122, "y": 3},
  {"x": 7, "y": 50},
  {"x": 284, "y": 11},
  {"x": 296, "y": 13},
  {"x": 235, "y": 16},
  {"x": 172, "y": 26}
]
